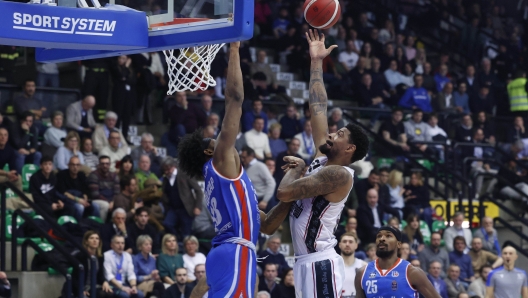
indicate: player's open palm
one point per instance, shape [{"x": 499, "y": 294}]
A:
[{"x": 317, "y": 46}]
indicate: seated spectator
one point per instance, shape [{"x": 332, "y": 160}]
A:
[
  {"x": 148, "y": 278},
  {"x": 372, "y": 181},
  {"x": 356, "y": 74},
  {"x": 8, "y": 157},
  {"x": 461, "y": 99},
  {"x": 287, "y": 286},
  {"x": 24, "y": 139},
  {"x": 104, "y": 185},
  {"x": 152, "y": 195},
  {"x": 349, "y": 57},
  {"x": 487, "y": 127},
  {"x": 79, "y": 117},
  {"x": 192, "y": 257},
  {"x": 371, "y": 96},
  {"x": 248, "y": 119},
  {"x": 268, "y": 280},
  {"x": 416, "y": 131},
  {"x": 199, "y": 273},
  {"x": 262, "y": 66},
  {"x": 464, "y": 131},
  {"x": 456, "y": 229},
  {"x": 258, "y": 173},
  {"x": 436, "y": 133},
  {"x": 416, "y": 97},
  {"x": 478, "y": 286},
  {"x": 117, "y": 227},
  {"x": 405, "y": 250},
  {"x": 370, "y": 251},
  {"x": 147, "y": 148},
  {"x": 42, "y": 188},
  {"x": 126, "y": 167},
  {"x": 408, "y": 74},
  {"x": 441, "y": 78},
  {"x": 517, "y": 131},
  {"x": 169, "y": 260},
  {"x": 336, "y": 116},
  {"x": 412, "y": 234},
  {"x": 478, "y": 167},
  {"x": 307, "y": 148},
  {"x": 440, "y": 285},
  {"x": 434, "y": 253},
  {"x": 180, "y": 287},
  {"x": 257, "y": 139},
  {"x": 69, "y": 149},
  {"x": 429, "y": 82},
  {"x": 486, "y": 76},
  {"x": 272, "y": 255},
  {"x": 484, "y": 101},
  {"x": 27, "y": 102},
  {"x": 417, "y": 199},
  {"x": 185, "y": 117},
  {"x": 459, "y": 257},
  {"x": 140, "y": 226},
  {"x": 290, "y": 122},
  {"x": 90, "y": 159},
  {"x": 127, "y": 196},
  {"x": 513, "y": 175},
  {"x": 293, "y": 150},
  {"x": 277, "y": 145},
  {"x": 144, "y": 172},
  {"x": 55, "y": 135},
  {"x": 370, "y": 216},
  {"x": 101, "y": 133},
  {"x": 393, "y": 131},
  {"x": 206, "y": 105},
  {"x": 454, "y": 285},
  {"x": 396, "y": 190},
  {"x": 489, "y": 236},
  {"x": 112, "y": 150},
  {"x": 213, "y": 122},
  {"x": 350, "y": 227},
  {"x": 119, "y": 269},
  {"x": 393, "y": 76},
  {"x": 445, "y": 100},
  {"x": 481, "y": 258},
  {"x": 72, "y": 188}
]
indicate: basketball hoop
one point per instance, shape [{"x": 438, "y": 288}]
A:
[{"x": 188, "y": 68}]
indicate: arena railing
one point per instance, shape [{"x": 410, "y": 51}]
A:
[{"x": 56, "y": 228}]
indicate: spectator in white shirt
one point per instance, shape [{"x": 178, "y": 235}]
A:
[
  {"x": 119, "y": 270},
  {"x": 393, "y": 76},
  {"x": 307, "y": 148},
  {"x": 55, "y": 134},
  {"x": 457, "y": 230},
  {"x": 436, "y": 133},
  {"x": 113, "y": 150},
  {"x": 192, "y": 257},
  {"x": 258, "y": 140},
  {"x": 349, "y": 58}
]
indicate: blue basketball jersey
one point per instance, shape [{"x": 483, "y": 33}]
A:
[
  {"x": 391, "y": 284},
  {"x": 232, "y": 204}
]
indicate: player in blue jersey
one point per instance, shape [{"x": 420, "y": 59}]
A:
[
  {"x": 389, "y": 276},
  {"x": 230, "y": 197}
]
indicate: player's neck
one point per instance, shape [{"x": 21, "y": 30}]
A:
[
  {"x": 387, "y": 263},
  {"x": 337, "y": 161}
]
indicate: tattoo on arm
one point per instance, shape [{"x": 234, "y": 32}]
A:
[
  {"x": 318, "y": 97},
  {"x": 270, "y": 222}
]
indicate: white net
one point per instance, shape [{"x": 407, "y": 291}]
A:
[{"x": 189, "y": 68}]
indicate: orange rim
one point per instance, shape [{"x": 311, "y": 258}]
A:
[{"x": 179, "y": 21}]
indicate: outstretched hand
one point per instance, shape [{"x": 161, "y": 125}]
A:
[
  {"x": 292, "y": 162},
  {"x": 317, "y": 46}
]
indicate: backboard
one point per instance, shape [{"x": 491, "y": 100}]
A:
[{"x": 173, "y": 24}]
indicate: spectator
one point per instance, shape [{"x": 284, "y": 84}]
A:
[
  {"x": 456, "y": 230},
  {"x": 416, "y": 131},
  {"x": 144, "y": 172},
  {"x": 55, "y": 135},
  {"x": 478, "y": 167},
  {"x": 183, "y": 199},
  {"x": 169, "y": 260},
  {"x": 79, "y": 116},
  {"x": 441, "y": 78},
  {"x": 478, "y": 286},
  {"x": 185, "y": 117},
  {"x": 370, "y": 216},
  {"x": 428, "y": 79},
  {"x": 199, "y": 272},
  {"x": 484, "y": 101},
  {"x": 393, "y": 131},
  {"x": 459, "y": 257},
  {"x": 412, "y": 234},
  {"x": 470, "y": 80},
  {"x": 416, "y": 97},
  {"x": 8, "y": 157},
  {"x": 248, "y": 119},
  {"x": 445, "y": 100},
  {"x": 72, "y": 188},
  {"x": 90, "y": 159},
  {"x": 434, "y": 253},
  {"x": 454, "y": 285},
  {"x": 307, "y": 147},
  {"x": 336, "y": 116},
  {"x": 486, "y": 77},
  {"x": 293, "y": 150},
  {"x": 257, "y": 139},
  {"x": 489, "y": 236},
  {"x": 461, "y": 99},
  {"x": 268, "y": 281},
  {"x": 126, "y": 167},
  {"x": 140, "y": 226},
  {"x": 127, "y": 197},
  {"x": 417, "y": 198},
  {"x": 418, "y": 63},
  {"x": 408, "y": 75},
  {"x": 396, "y": 190},
  {"x": 192, "y": 257},
  {"x": 440, "y": 285},
  {"x": 370, "y": 250},
  {"x": 393, "y": 76},
  {"x": 290, "y": 123},
  {"x": 180, "y": 288},
  {"x": 101, "y": 133},
  {"x": 514, "y": 176},
  {"x": 287, "y": 286},
  {"x": 367, "y": 53},
  {"x": 148, "y": 278},
  {"x": 152, "y": 196},
  {"x": 387, "y": 33},
  {"x": 112, "y": 150},
  {"x": 69, "y": 149},
  {"x": 435, "y": 132},
  {"x": 262, "y": 66},
  {"x": 28, "y": 103},
  {"x": 372, "y": 181},
  {"x": 104, "y": 185},
  {"x": 213, "y": 121},
  {"x": 124, "y": 91},
  {"x": 117, "y": 227},
  {"x": 481, "y": 258},
  {"x": 517, "y": 93},
  {"x": 357, "y": 73},
  {"x": 272, "y": 255},
  {"x": 348, "y": 245},
  {"x": 5, "y": 286},
  {"x": 277, "y": 145},
  {"x": 517, "y": 132},
  {"x": 263, "y": 182},
  {"x": 349, "y": 57},
  {"x": 147, "y": 148},
  {"x": 119, "y": 269},
  {"x": 24, "y": 139},
  {"x": 487, "y": 127},
  {"x": 206, "y": 105},
  {"x": 464, "y": 131}
]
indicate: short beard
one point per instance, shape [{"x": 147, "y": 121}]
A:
[
  {"x": 382, "y": 254},
  {"x": 347, "y": 254},
  {"x": 325, "y": 149}
]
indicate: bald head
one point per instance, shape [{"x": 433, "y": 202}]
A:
[
  {"x": 88, "y": 102},
  {"x": 372, "y": 197}
]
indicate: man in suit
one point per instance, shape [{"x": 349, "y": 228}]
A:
[
  {"x": 370, "y": 217},
  {"x": 181, "y": 204},
  {"x": 444, "y": 101},
  {"x": 454, "y": 285},
  {"x": 79, "y": 117},
  {"x": 180, "y": 288},
  {"x": 102, "y": 132},
  {"x": 372, "y": 181}
]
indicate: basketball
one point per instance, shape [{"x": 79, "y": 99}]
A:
[{"x": 322, "y": 14}]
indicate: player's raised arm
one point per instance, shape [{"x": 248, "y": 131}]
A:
[
  {"x": 421, "y": 283},
  {"x": 318, "y": 97},
  {"x": 225, "y": 157}
]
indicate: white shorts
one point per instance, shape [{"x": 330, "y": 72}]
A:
[{"x": 319, "y": 275}]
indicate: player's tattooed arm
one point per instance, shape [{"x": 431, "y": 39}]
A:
[
  {"x": 357, "y": 283},
  {"x": 329, "y": 180},
  {"x": 200, "y": 289},
  {"x": 269, "y": 223}
]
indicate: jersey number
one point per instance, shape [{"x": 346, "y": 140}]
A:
[{"x": 372, "y": 287}]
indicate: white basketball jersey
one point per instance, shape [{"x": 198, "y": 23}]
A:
[{"x": 313, "y": 220}]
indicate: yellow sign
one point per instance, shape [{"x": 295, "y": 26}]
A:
[{"x": 440, "y": 208}]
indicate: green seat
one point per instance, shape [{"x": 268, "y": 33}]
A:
[
  {"x": 45, "y": 246},
  {"x": 6, "y": 168},
  {"x": 438, "y": 225},
  {"x": 9, "y": 228},
  {"x": 385, "y": 162},
  {"x": 10, "y": 194},
  {"x": 403, "y": 224},
  {"x": 424, "y": 229},
  {"x": 52, "y": 271},
  {"x": 96, "y": 219},
  {"x": 27, "y": 172},
  {"x": 65, "y": 219},
  {"x": 36, "y": 240},
  {"x": 426, "y": 164}
]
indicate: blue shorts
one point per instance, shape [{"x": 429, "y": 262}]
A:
[{"x": 231, "y": 271}]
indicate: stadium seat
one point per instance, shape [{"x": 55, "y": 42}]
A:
[
  {"x": 438, "y": 225},
  {"x": 403, "y": 224},
  {"x": 6, "y": 168},
  {"x": 426, "y": 232},
  {"x": 27, "y": 172},
  {"x": 96, "y": 219},
  {"x": 426, "y": 164},
  {"x": 65, "y": 219},
  {"x": 385, "y": 163},
  {"x": 9, "y": 228}
]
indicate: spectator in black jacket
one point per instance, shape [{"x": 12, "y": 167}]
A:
[
  {"x": 8, "y": 157},
  {"x": 372, "y": 181},
  {"x": 123, "y": 91},
  {"x": 417, "y": 199},
  {"x": 268, "y": 281},
  {"x": 464, "y": 132},
  {"x": 180, "y": 288},
  {"x": 139, "y": 227},
  {"x": 272, "y": 255},
  {"x": 484, "y": 101},
  {"x": 42, "y": 188},
  {"x": 116, "y": 227},
  {"x": 370, "y": 217},
  {"x": 290, "y": 123},
  {"x": 487, "y": 127},
  {"x": 24, "y": 139},
  {"x": 517, "y": 131},
  {"x": 72, "y": 188}
]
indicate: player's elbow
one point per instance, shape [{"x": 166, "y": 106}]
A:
[{"x": 282, "y": 195}]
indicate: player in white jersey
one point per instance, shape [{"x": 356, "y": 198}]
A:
[{"x": 321, "y": 194}]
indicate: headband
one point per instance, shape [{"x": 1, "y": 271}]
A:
[{"x": 392, "y": 230}]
